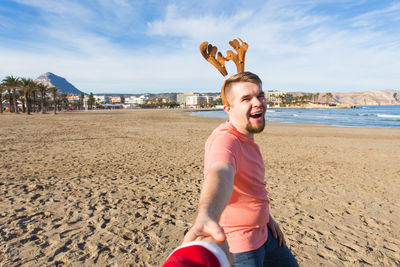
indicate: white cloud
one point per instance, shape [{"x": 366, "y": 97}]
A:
[{"x": 377, "y": 17}]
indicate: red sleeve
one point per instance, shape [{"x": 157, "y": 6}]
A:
[{"x": 192, "y": 256}]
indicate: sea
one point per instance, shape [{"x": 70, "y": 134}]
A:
[{"x": 364, "y": 116}]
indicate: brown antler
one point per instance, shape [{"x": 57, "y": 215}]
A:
[
  {"x": 209, "y": 52},
  {"x": 241, "y": 53}
]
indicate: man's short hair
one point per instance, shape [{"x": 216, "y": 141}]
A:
[{"x": 240, "y": 77}]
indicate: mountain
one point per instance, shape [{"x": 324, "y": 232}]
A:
[
  {"x": 61, "y": 83},
  {"x": 374, "y": 97}
]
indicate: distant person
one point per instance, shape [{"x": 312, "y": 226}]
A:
[{"x": 233, "y": 202}]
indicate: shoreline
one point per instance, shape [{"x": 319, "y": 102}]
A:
[{"x": 326, "y": 124}]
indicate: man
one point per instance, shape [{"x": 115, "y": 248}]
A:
[{"x": 233, "y": 203}]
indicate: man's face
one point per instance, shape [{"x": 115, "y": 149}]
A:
[{"x": 247, "y": 108}]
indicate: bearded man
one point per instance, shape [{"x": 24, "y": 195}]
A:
[{"x": 234, "y": 204}]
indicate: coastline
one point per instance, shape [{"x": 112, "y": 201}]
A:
[
  {"x": 368, "y": 117},
  {"x": 121, "y": 187}
]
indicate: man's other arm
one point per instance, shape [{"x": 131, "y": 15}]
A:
[{"x": 215, "y": 195}]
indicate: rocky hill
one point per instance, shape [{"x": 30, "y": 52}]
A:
[
  {"x": 61, "y": 83},
  {"x": 375, "y": 97}
]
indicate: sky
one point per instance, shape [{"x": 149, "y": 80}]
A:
[{"x": 121, "y": 46}]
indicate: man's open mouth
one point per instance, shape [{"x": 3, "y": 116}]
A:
[{"x": 256, "y": 115}]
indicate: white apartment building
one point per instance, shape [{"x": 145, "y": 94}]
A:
[
  {"x": 136, "y": 100},
  {"x": 208, "y": 98},
  {"x": 273, "y": 96},
  {"x": 192, "y": 99},
  {"x": 73, "y": 98},
  {"x": 181, "y": 98},
  {"x": 115, "y": 99},
  {"x": 101, "y": 99}
]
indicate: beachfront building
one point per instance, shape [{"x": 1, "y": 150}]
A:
[
  {"x": 193, "y": 99},
  {"x": 74, "y": 98},
  {"x": 133, "y": 101},
  {"x": 101, "y": 99},
  {"x": 208, "y": 98},
  {"x": 181, "y": 98},
  {"x": 115, "y": 99},
  {"x": 136, "y": 100},
  {"x": 274, "y": 97}
]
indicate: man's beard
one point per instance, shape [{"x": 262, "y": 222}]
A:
[{"x": 255, "y": 129}]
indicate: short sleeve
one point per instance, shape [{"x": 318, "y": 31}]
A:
[{"x": 221, "y": 147}]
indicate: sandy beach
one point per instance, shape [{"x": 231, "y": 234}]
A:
[{"x": 120, "y": 188}]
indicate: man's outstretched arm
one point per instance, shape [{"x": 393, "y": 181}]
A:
[{"x": 215, "y": 195}]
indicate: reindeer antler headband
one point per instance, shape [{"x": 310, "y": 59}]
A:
[{"x": 209, "y": 52}]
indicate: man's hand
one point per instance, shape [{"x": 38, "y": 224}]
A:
[
  {"x": 276, "y": 231},
  {"x": 203, "y": 227}
]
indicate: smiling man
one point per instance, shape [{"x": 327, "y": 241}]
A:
[{"x": 234, "y": 204}]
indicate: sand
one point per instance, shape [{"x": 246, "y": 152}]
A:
[{"x": 120, "y": 188}]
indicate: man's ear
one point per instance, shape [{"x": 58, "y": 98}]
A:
[{"x": 227, "y": 108}]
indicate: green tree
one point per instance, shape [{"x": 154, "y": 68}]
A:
[
  {"x": 328, "y": 97},
  {"x": 309, "y": 97},
  {"x": 317, "y": 97},
  {"x": 43, "y": 89},
  {"x": 13, "y": 83},
  {"x": 216, "y": 102},
  {"x": 289, "y": 98},
  {"x": 2, "y": 89},
  {"x": 91, "y": 100},
  {"x": 27, "y": 85},
  {"x": 54, "y": 91},
  {"x": 82, "y": 96},
  {"x": 64, "y": 101},
  {"x": 8, "y": 95},
  {"x": 34, "y": 105}
]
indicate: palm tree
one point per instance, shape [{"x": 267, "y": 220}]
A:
[
  {"x": 310, "y": 97},
  {"x": 2, "y": 89},
  {"x": 13, "y": 83},
  {"x": 328, "y": 97},
  {"x": 34, "y": 91},
  {"x": 64, "y": 100},
  {"x": 43, "y": 90},
  {"x": 9, "y": 96},
  {"x": 20, "y": 95},
  {"x": 54, "y": 91},
  {"x": 27, "y": 85},
  {"x": 82, "y": 96},
  {"x": 91, "y": 100},
  {"x": 317, "y": 97}
]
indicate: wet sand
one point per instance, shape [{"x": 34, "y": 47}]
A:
[{"x": 120, "y": 188}]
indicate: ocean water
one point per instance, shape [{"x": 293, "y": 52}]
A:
[{"x": 366, "y": 116}]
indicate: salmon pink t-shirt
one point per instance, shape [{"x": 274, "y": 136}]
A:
[{"x": 245, "y": 218}]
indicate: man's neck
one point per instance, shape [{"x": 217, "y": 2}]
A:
[{"x": 242, "y": 131}]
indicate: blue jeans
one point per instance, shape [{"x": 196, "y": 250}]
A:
[{"x": 269, "y": 254}]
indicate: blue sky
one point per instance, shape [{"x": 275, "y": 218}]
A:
[{"x": 121, "y": 46}]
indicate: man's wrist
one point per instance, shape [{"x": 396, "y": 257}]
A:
[{"x": 204, "y": 212}]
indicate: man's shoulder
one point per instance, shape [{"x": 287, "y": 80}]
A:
[
  {"x": 223, "y": 137},
  {"x": 223, "y": 131}
]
